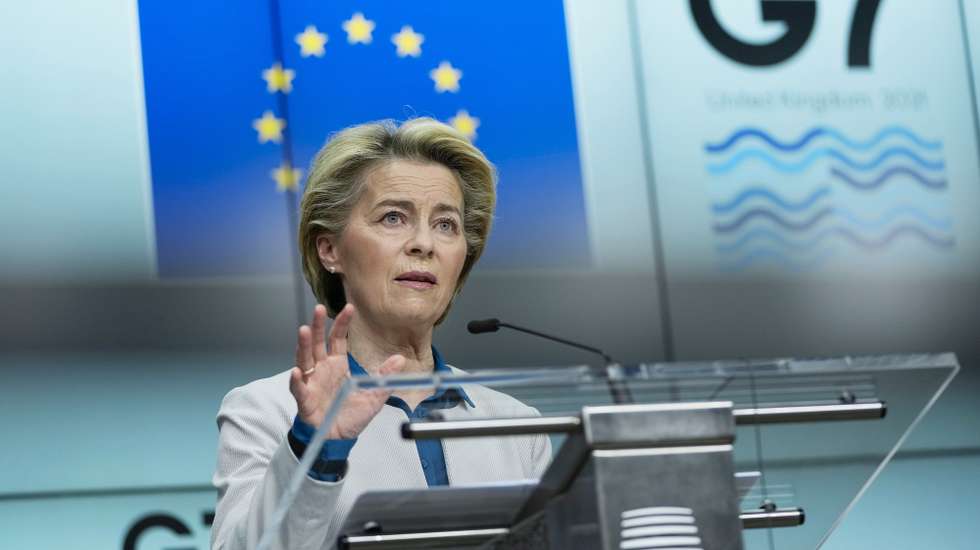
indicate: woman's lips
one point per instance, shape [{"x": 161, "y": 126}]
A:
[
  {"x": 417, "y": 279},
  {"x": 419, "y": 285}
]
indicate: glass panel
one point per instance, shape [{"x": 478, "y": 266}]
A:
[{"x": 822, "y": 467}]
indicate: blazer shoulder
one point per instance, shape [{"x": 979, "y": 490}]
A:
[
  {"x": 265, "y": 396},
  {"x": 495, "y": 401}
]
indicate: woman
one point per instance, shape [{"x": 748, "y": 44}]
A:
[{"x": 392, "y": 221}]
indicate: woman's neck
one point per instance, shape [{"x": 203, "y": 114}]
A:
[{"x": 371, "y": 346}]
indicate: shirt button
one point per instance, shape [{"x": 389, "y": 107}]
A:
[{"x": 425, "y": 463}]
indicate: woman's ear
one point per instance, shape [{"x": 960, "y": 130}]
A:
[{"x": 327, "y": 252}]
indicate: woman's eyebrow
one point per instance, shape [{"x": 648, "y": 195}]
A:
[
  {"x": 403, "y": 204},
  {"x": 410, "y": 206},
  {"x": 443, "y": 207}
]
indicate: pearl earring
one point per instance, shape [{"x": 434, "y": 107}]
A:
[{"x": 331, "y": 269}]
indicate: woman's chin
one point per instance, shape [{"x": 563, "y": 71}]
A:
[{"x": 412, "y": 315}]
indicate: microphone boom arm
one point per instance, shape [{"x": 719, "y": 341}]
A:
[{"x": 608, "y": 359}]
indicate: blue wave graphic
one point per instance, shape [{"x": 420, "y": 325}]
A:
[
  {"x": 944, "y": 241},
  {"x": 724, "y": 208},
  {"x": 777, "y": 257},
  {"x": 762, "y": 213},
  {"x": 819, "y": 131},
  {"x": 939, "y": 224},
  {"x": 888, "y": 174},
  {"x": 816, "y": 154}
]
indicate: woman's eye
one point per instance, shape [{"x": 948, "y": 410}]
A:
[
  {"x": 449, "y": 226},
  {"x": 392, "y": 218}
]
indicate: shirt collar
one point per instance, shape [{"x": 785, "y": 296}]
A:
[{"x": 440, "y": 367}]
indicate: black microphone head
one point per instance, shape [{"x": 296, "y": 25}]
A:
[{"x": 483, "y": 325}]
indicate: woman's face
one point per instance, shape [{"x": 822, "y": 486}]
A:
[{"x": 403, "y": 249}]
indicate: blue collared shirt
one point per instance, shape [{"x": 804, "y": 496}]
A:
[{"x": 431, "y": 454}]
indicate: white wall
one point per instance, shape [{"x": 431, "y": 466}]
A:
[{"x": 73, "y": 148}]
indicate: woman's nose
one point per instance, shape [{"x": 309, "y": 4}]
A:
[{"x": 421, "y": 242}]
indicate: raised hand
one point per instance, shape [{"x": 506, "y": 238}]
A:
[{"x": 319, "y": 374}]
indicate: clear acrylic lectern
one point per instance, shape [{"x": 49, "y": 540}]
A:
[{"x": 715, "y": 455}]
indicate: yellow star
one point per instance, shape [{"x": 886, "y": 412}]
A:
[
  {"x": 465, "y": 124},
  {"x": 446, "y": 77},
  {"x": 269, "y": 127},
  {"x": 311, "y": 42},
  {"x": 358, "y": 29},
  {"x": 287, "y": 178},
  {"x": 408, "y": 41},
  {"x": 278, "y": 79}
]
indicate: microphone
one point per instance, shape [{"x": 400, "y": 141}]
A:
[
  {"x": 483, "y": 325},
  {"x": 613, "y": 371}
]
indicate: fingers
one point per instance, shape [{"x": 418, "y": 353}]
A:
[
  {"x": 338, "y": 332},
  {"x": 392, "y": 365},
  {"x": 375, "y": 398},
  {"x": 319, "y": 333},
  {"x": 304, "y": 349}
]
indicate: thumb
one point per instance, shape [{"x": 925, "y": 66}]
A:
[
  {"x": 392, "y": 365},
  {"x": 296, "y": 382}
]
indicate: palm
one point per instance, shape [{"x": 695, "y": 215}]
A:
[{"x": 319, "y": 374}]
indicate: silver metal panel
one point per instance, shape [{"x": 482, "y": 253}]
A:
[
  {"x": 691, "y": 488},
  {"x": 655, "y": 425}
]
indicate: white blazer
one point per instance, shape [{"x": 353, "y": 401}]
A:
[{"x": 255, "y": 463}]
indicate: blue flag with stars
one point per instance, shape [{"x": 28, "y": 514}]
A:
[{"x": 239, "y": 97}]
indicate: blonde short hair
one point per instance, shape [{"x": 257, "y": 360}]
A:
[{"x": 336, "y": 182}]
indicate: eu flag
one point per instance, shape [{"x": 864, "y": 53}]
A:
[{"x": 240, "y": 96}]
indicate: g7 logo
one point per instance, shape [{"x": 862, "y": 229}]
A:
[
  {"x": 799, "y": 16},
  {"x": 165, "y": 521}
]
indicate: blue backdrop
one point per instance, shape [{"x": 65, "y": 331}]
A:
[{"x": 214, "y": 77}]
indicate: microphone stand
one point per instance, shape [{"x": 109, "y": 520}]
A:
[{"x": 612, "y": 373}]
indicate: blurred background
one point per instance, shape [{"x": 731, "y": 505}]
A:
[{"x": 679, "y": 180}]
